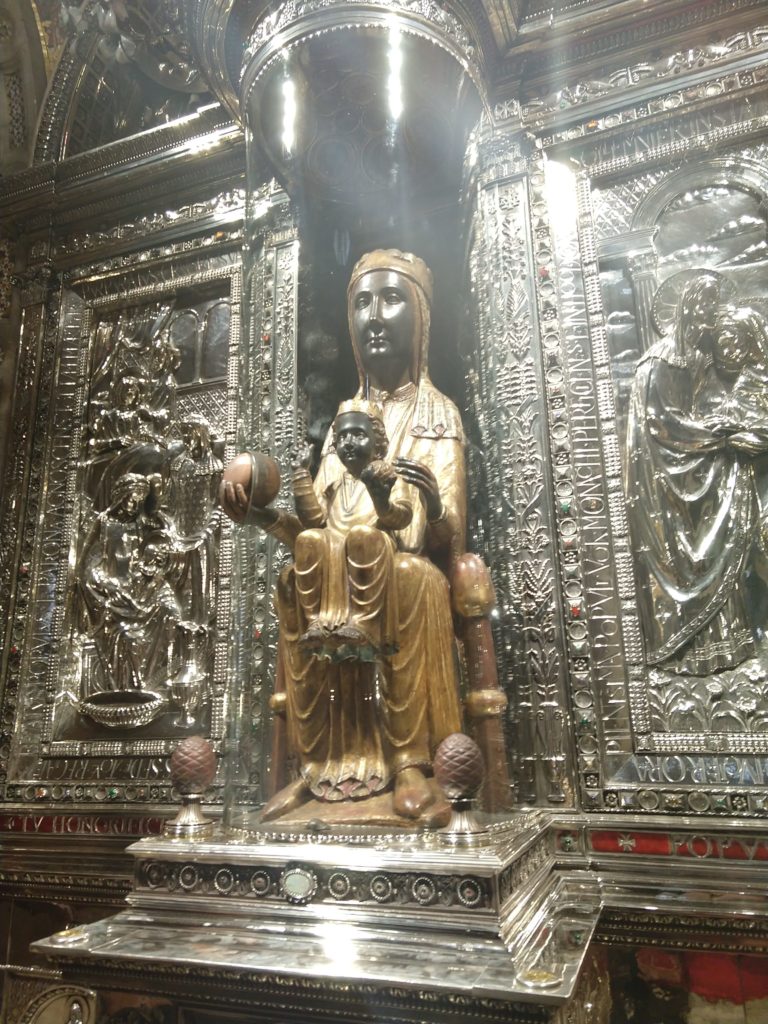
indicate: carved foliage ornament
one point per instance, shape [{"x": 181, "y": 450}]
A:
[{"x": 753, "y": 42}]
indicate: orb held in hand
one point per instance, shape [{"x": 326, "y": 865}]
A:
[{"x": 257, "y": 474}]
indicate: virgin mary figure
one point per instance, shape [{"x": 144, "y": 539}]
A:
[{"x": 365, "y": 733}]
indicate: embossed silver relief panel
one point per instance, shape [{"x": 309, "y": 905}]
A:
[
  {"x": 143, "y": 595},
  {"x": 707, "y": 666},
  {"x": 125, "y": 649},
  {"x": 696, "y": 680}
]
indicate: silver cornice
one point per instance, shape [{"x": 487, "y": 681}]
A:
[
  {"x": 276, "y": 34},
  {"x": 737, "y": 53},
  {"x": 194, "y": 153},
  {"x": 208, "y": 24},
  {"x": 582, "y": 32}
]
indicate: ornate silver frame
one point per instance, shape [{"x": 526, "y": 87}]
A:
[
  {"x": 43, "y": 768},
  {"x": 664, "y": 140}
]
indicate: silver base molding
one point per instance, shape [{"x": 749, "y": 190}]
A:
[
  {"x": 412, "y": 917},
  {"x": 498, "y": 920}
]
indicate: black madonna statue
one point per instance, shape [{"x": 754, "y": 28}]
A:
[{"x": 366, "y": 649}]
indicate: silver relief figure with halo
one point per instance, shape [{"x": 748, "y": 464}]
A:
[{"x": 697, "y": 437}]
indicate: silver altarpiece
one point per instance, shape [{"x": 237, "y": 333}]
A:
[{"x": 181, "y": 298}]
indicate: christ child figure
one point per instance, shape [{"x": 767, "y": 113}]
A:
[{"x": 344, "y": 557}]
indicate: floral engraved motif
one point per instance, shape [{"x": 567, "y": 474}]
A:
[
  {"x": 509, "y": 422},
  {"x": 381, "y": 888},
  {"x": 752, "y": 41},
  {"x": 513, "y": 877},
  {"x": 735, "y": 701}
]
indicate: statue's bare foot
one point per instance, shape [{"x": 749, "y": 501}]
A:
[
  {"x": 353, "y": 643},
  {"x": 413, "y": 794},
  {"x": 288, "y": 799},
  {"x": 314, "y": 638},
  {"x": 353, "y": 635}
]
